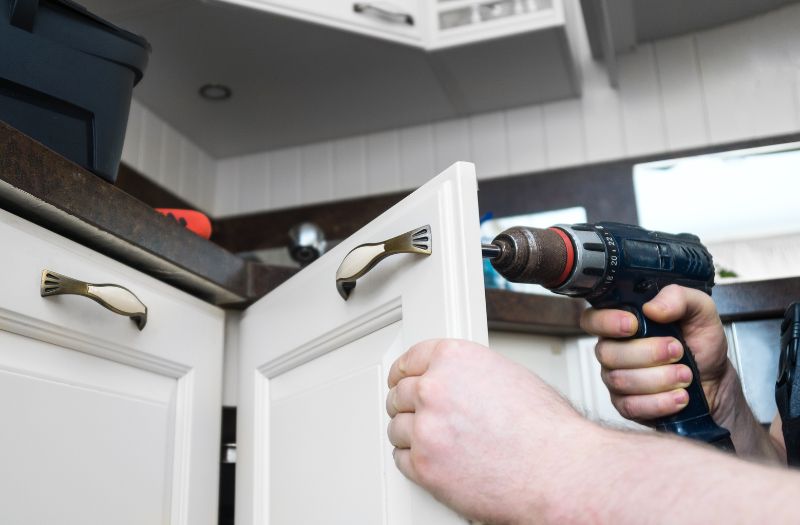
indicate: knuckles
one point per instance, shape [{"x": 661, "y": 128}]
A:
[
  {"x": 615, "y": 380},
  {"x": 604, "y": 354},
  {"x": 426, "y": 391},
  {"x": 446, "y": 349},
  {"x": 626, "y": 406}
]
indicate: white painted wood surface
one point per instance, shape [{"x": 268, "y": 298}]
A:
[
  {"x": 544, "y": 355},
  {"x": 103, "y": 423},
  {"x": 312, "y": 443},
  {"x": 735, "y": 82}
]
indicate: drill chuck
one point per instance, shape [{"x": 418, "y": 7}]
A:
[
  {"x": 569, "y": 260},
  {"x": 532, "y": 255}
]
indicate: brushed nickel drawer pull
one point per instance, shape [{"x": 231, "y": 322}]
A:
[
  {"x": 363, "y": 258},
  {"x": 116, "y": 298}
]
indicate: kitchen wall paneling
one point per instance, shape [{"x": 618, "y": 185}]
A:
[
  {"x": 316, "y": 173},
  {"x": 489, "y": 144},
  {"x": 602, "y": 115},
  {"x": 417, "y": 163},
  {"x": 226, "y": 193},
  {"x": 254, "y": 174},
  {"x": 166, "y": 157},
  {"x": 169, "y": 166},
  {"x": 682, "y": 95},
  {"x": 451, "y": 144},
  {"x": 525, "y": 139},
  {"x": 207, "y": 177},
  {"x": 349, "y": 168},
  {"x": 133, "y": 136},
  {"x": 776, "y": 44},
  {"x": 564, "y": 133},
  {"x": 749, "y": 76},
  {"x": 188, "y": 171},
  {"x": 640, "y": 95},
  {"x": 382, "y": 161},
  {"x": 152, "y": 148},
  {"x": 284, "y": 187}
]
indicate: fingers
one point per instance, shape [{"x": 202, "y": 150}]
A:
[
  {"x": 675, "y": 303},
  {"x": 402, "y": 458},
  {"x": 646, "y": 407},
  {"x": 403, "y": 396},
  {"x": 609, "y": 323},
  {"x": 414, "y": 362},
  {"x": 399, "y": 430},
  {"x": 638, "y": 353},
  {"x": 652, "y": 380}
]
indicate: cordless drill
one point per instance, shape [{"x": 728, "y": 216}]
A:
[{"x": 620, "y": 266}]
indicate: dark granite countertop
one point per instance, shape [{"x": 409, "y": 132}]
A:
[{"x": 42, "y": 186}]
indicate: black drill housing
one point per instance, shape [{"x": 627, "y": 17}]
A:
[{"x": 620, "y": 266}]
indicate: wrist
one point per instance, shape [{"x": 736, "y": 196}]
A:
[
  {"x": 727, "y": 403},
  {"x": 732, "y": 412}
]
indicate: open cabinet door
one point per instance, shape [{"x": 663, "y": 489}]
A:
[{"x": 312, "y": 445}]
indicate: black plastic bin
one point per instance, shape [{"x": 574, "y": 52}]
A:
[{"x": 66, "y": 78}]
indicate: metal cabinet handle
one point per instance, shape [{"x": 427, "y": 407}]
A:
[
  {"x": 362, "y": 259},
  {"x": 116, "y": 298},
  {"x": 378, "y": 11}
]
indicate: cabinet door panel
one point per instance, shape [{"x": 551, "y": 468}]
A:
[
  {"x": 312, "y": 443},
  {"x": 72, "y": 424}
]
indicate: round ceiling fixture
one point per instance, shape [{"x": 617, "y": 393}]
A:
[{"x": 215, "y": 92}]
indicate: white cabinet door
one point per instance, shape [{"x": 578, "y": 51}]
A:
[
  {"x": 312, "y": 445},
  {"x": 395, "y": 20},
  {"x": 103, "y": 423}
]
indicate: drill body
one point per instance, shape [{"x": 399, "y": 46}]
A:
[{"x": 620, "y": 266}]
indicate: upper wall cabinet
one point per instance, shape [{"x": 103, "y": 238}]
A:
[
  {"x": 303, "y": 71},
  {"x": 430, "y": 24},
  {"x": 395, "y": 20}
]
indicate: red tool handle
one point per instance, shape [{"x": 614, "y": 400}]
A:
[{"x": 192, "y": 220}]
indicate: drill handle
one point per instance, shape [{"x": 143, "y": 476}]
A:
[{"x": 694, "y": 420}]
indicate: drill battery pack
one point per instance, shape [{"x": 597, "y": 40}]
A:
[{"x": 787, "y": 387}]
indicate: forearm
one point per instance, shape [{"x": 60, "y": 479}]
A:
[
  {"x": 751, "y": 440},
  {"x": 623, "y": 477}
]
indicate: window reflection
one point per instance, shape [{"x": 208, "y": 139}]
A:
[{"x": 743, "y": 204}]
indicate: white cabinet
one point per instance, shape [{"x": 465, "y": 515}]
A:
[
  {"x": 395, "y": 20},
  {"x": 103, "y": 423},
  {"x": 429, "y": 24},
  {"x": 312, "y": 445}
]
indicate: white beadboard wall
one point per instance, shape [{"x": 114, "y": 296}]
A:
[
  {"x": 732, "y": 83},
  {"x": 155, "y": 149}
]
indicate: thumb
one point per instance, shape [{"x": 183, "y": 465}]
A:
[{"x": 676, "y": 303}]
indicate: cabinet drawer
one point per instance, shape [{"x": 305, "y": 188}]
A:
[{"x": 174, "y": 318}]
